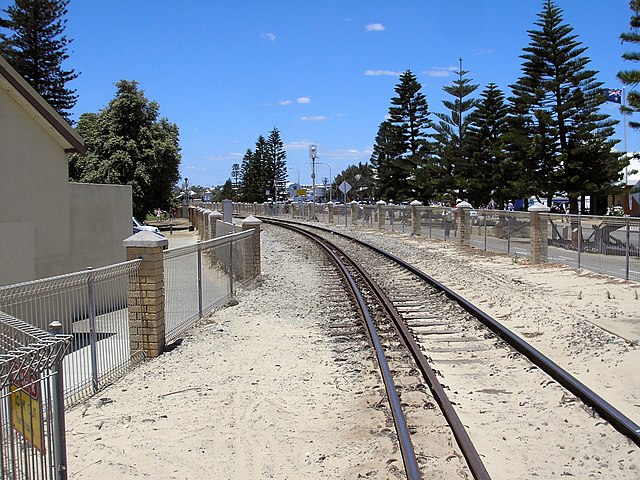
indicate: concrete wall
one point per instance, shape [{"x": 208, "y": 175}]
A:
[
  {"x": 100, "y": 220},
  {"x": 48, "y": 226}
]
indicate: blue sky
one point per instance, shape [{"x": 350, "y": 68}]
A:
[{"x": 322, "y": 72}]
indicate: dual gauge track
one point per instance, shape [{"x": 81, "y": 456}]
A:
[{"x": 409, "y": 315}]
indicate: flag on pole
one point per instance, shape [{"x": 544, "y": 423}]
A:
[{"x": 614, "y": 95}]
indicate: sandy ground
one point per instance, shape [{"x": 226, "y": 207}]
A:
[{"x": 257, "y": 390}]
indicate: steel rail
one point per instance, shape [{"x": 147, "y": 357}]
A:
[
  {"x": 468, "y": 449},
  {"x": 615, "y": 417},
  {"x": 474, "y": 462},
  {"x": 412, "y": 470}
]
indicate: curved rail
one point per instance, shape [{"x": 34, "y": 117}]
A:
[
  {"x": 412, "y": 469},
  {"x": 615, "y": 417}
]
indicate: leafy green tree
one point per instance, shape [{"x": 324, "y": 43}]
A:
[
  {"x": 32, "y": 40},
  {"x": 409, "y": 114},
  {"x": 127, "y": 144},
  {"x": 451, "y": 137},
  {"x": 632, "y": 77},
  {"x": 359, "y": 177},
  {"x": 486, "y": 150},
  {"x": 557, "y": 104}
]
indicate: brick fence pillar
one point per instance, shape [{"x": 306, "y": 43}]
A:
[
  {"x": 354, "y": 213},
  {"x": 464, "y": 222},
  {"x": 538, "y": 233},
  {"x": 253, "y": 266},
  {"x": 415, "y": 217},
  {"x": 206, "y": 225},
  {"x": 381, "y": 204},
  {"x": 146, "y": 305},
  {"x": 311, "y": 212},
  {"x": 213, "y": 220}
]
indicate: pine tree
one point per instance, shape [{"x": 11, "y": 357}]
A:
[
  {"x": 556, "y": 105},
  {"x": 275, "y": 165},
  {"x": 632, "y": 77},
  {"x": 36, "y": 47},
  {"x": 451, "y": 137},
  {"x": 386, "y": 152},
  {"x": 409, "y": 113},
  {"x": 486, "y": 149},
  {"x": 127, "y": 144}
]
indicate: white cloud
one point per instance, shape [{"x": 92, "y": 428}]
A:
[
  {"x": 374, "y": 27},
  {"x": 440, "y": 71},
  {"x": 269, "y": 36},
  {"x": 301, "y": 145},
  {"x": 315, "y": 118},
  {"x": 321, "y": 118},
  {"x": 377, "y": 73},
  {"x": 301, "y": 100},
  {"x": 350, "y": 153}
]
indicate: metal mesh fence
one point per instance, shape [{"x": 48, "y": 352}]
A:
[
  {"x": 32, "y": 442},
  {"x": 201, "y": 277},
  {"x": 92, "y": 308}
]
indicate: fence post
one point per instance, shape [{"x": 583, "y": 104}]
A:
[
  {"x": 213, "y": 219},
  {"x": 354, "y": 213},
  {"x": 539, "y": 245},
  {"x": 330, "y": 211},
  {"x": 381, "y": 204},
  {"x": 146, "y": 301},
  {"x": 464, "y": 232},
  {"x": 415, "y": 217},
  {"x": 252, "y": 264},
  {"x": 57, "y": 394},
  {"x": 93, "y": 334}
]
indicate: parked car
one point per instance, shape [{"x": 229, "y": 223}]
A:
[{"x": 138, "y": 227}]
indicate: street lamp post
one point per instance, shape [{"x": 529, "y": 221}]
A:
[{"x": 313, "y": 154}]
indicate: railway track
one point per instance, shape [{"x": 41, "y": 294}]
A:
[{"x": 423, "y": 333}]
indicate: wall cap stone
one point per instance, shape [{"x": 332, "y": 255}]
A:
[
  {"x": 538, "y": 207},
  {"x": 147, "y": 239},
  {"x": 416, "y": 203},
  {"x": 251, "y": 220}
]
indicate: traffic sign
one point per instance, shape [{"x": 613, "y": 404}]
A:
[{"x": 344, "y": 187}]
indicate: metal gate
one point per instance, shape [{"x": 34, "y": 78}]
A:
[{"x": 32, "y": 436}]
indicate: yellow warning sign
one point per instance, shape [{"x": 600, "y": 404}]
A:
[{"x": 25, "y": 415}]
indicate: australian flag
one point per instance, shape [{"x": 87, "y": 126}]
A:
[{"x": 614, "y": 95}]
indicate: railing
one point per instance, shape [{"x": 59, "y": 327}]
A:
[
  {"x": 92, "y": 308},
  {"x": 201, "y": 277}
]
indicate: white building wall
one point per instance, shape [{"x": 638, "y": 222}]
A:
[{"x": 47, "y": 225}]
